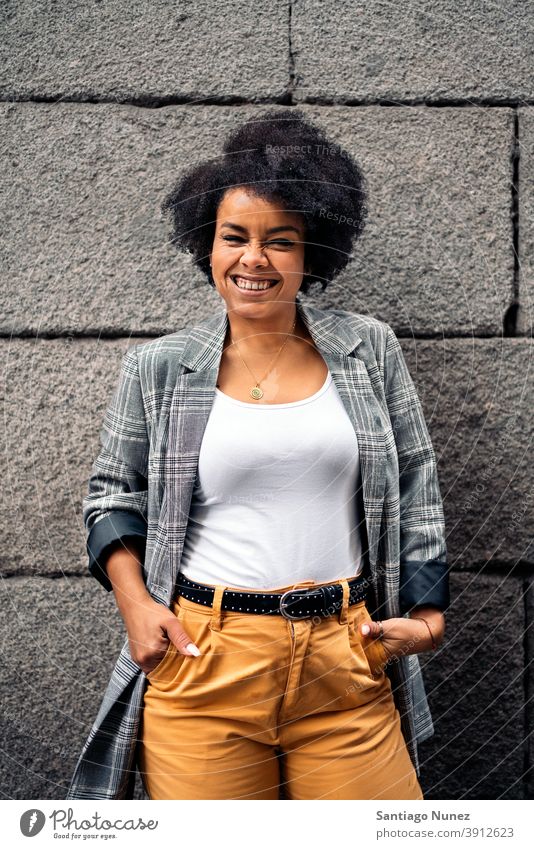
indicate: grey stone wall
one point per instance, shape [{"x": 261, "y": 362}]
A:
[{"x": 102, "y": 106}]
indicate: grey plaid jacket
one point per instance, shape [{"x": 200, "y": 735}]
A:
[{"x": 142, "y": 484}]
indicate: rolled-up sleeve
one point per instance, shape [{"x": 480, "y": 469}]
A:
[
  {"x": 115, "y": 508},
  {"x": 424, "y": 574}
]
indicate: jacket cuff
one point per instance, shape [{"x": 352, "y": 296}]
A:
[
  {"x": 106, "y": 534},
  {"x": 424, "y": 582}
]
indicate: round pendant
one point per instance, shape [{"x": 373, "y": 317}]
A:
[{"x": 256, "y": 393}]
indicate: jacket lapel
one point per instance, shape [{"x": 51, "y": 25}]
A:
[{"x": 194, "y": 393}]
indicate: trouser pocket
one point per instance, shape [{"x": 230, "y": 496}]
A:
[
  {"x": 168, "y": 666},
  {"x": 373, "y": 648}
]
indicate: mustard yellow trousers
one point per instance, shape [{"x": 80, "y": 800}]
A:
[{"x": 270, "y": 701}]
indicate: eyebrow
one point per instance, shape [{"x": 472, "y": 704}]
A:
[{"x": 271, "y": 230}]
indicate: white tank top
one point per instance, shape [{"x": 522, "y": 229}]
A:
[{"x": 274, "y": 500}]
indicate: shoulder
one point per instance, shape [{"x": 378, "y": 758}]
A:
[
  {"x": 159, "y": 360},
  {"x": 369, "y": 335},
  {"x": 166, "y": 347},
  {"x": 369, "y": 327}
]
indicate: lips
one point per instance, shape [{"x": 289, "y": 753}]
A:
[{"x": 236, "y": 277}]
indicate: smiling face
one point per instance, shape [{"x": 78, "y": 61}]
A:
[{"x": 257, "y": 244}]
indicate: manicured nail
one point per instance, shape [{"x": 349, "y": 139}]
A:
[
  {"x": 365, "y": 629},
  {"x": 193, "y": 649}
]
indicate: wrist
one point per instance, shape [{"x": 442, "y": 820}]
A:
[
  {"x": 431, "y": 627},
  {"x": 125, "y": 573},
  {"x": 433, "y": 615},
  {"x": 134, "y": 610}
]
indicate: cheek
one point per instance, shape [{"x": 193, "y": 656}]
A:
[
  {"x": 222, "y": 257},
  {"x": 293, "y": 265}
]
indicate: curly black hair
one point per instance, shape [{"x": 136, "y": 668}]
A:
[{"x": 281, "y": 157}]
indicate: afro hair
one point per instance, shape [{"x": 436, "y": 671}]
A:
[{"x": 281, "y": 157}]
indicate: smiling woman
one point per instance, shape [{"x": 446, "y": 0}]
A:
[
  {"x": 258, "y": 263},
  {"x": 248, "y": 257},
  {"x": 265, "y": 239},
  {"x": 286, "y": 160},
  {"x": 251, "y": 511}
]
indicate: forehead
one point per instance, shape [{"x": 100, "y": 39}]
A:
[{"x": 246, "y": 209}]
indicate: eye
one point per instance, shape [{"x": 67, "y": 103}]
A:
[{"x": 285, "y": 243}]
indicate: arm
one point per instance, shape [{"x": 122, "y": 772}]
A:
[
  {"x": 424, "y": 579},
  {"x": 423, "y": 557},
  {"x": 114, "y": 511},
  {"x": 150, "y": 625}
]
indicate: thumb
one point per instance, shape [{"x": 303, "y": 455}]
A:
[
  {"x": 370, "y": 629},
  {"x": 181, "y": 639}
]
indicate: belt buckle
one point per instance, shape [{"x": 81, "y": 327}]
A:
[{"x": 284, "y": 605}]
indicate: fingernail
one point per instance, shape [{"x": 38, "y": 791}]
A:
[
  {"x": 365, "y": 629},
  {"x": 193, "y": 649}
]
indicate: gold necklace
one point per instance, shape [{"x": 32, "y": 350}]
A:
[{"x": 256, "y": 392}]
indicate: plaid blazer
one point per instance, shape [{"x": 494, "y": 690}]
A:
[{"x": 142, "y": 484}]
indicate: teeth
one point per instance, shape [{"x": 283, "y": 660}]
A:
[{"x": 248, "y": 284}]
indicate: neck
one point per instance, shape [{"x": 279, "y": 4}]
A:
[{"x": 257, "y": 336}]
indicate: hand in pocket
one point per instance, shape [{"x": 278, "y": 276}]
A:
[
  {"x": 400, "y": 635},
  {"x": 152, "y": 629}
]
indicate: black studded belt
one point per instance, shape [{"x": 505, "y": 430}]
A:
[{"x": 299, "y": 603}]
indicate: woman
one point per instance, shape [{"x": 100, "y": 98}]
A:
[{"x": 266, "y": 509}]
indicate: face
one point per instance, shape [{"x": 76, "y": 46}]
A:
[{"x": 257, "y": 241}]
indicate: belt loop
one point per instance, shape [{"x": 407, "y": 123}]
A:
[
  {"x": 216, "y": 619},
  {"x": 345, "y": 605}
]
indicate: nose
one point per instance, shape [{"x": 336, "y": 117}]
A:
[{"x": 253, "y": 256}]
